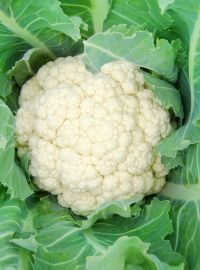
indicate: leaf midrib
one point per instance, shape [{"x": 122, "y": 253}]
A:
[
  {"x": 11, "y": 24},
  {"x": 193, "y": 46},
  {"x": 181, "y": 192},
  {"x": 91, "y": 240}
]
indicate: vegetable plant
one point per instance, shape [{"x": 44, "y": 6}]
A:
[{"x": 99, "y": 134}]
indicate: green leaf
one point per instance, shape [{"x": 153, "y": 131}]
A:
[
  {"x": 14, "y": 217},
  {"x": 33, "y": 24},
  {"x": 183, "y": 190},
  {"x": 164, "y": 4},
  {"x": 62, "y": 244},
  {"x": 128, "y": 253},
  {"x": 183, "y": 187},
  {"x": 11, "y": 175},
  {"x": 137, "y": 13},
  {"x": 175, "y": 30},
  {"x": 28, "y": 243},
  {"x": 108, "y": 209},
  {"x": 24, "y": 162},
  {"x": 166, "y": 93},
  {"x": 188, "y": 173},
  {"x": 92, "y": 12},
  {"x": 185, "y": 208},
  {"x": 39, "y": 234},
  {"x": 183, "y": 85},
  {"x": 163, "y": 250},
  {"x": 109, "y": 46},
  {"x": 126, "y": 30},
  {"x": 189, "y": 133},
  {"x": 32, "y": 60},
  {"x": 23, "y": 17},
  {"x": 11, "y": 100},
  {"x": 3, "y": 194},
  {"x": 172, "y": 163},
  {"x": 6, "y": 86},
  {"x": 28, "y": 65}
]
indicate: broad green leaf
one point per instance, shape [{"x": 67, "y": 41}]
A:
[
  {"x": 185, "y": 211},
  {"x": 12, "y": 99},
  {"x": 126, "y": 30},
  {"x": 163, "y": 250},
  {"x": 183, "y": 190},
  {"x": 166, "y": 93},
  {"x": 24, "y": 17},
  {"x": 63, "y": 245},
  {"x": 175, "y": 30},
  {"x": 5, "y": 85},
  {"x": 92, "y": 12},
  {"x": 28, "y": 65},
  {"x": 172, "y": 163},
  {"x": 39, "y": 234},
  {"x": 14, "y": 217},
  {"x": 33, "y": 24},
  {"x": 28, "y": 243},
  {"x": 32, "y": 60},
  {"x": 184, "y": 181},
  {"x": 11, "y": 175},
  {"x": 18, "y": 228},
  {"x": 183, "y": 85},
  {"x": 24, "y": 162},
  {"x": 110, "y": 46},
  {"x": 137, "y": 13},
  {"x": 164, "y": 4},
  {"x": 188, "y": 173},
  {"x": 186, "y": 236},
  {"x": 128, "y": 253},
  {"x": 189, "y": 133},
  {"x": 108, "y": 209},
  {"x": 179, "y": 140},
  {"x": 3, "y": 193}
]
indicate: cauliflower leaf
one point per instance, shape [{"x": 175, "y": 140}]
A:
[
  {"x": 38, "y": 234},
  {"x": 109, "y": 46},
  {"x": 11, "y": 175},
  {"x": 137, "y": 13},
  {"x": 92, "y": 12},
  {"x": 20, "y": 29}
]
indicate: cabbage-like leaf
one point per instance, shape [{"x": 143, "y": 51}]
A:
[
  {"x": 42, "y": 234},
  {"x": 33, "y": 24},
  {"x": 11, "y": 175},
  {"x": 14, "y": 217},
  {"x": 62, "y": 244},
  {"x": 183, "y": 186},
  {"x": 125, "y": 29},
  {"x": 3, "y": 193},
  {"x": 92, "y": 12},
  {"x": 33, "y": 59},
  {"x": 137, "y": 13},
  {"x": 25, "y": 241},
  {"x": 26, "y": 67},
  {"x": 11, "y": 100},
  {"x": 108, "y": 209},
  {"x": 189, "y": 133},
  {"x": 168, "y": 95},
  {"x": 183, "y": 189},
  {"x": 128, "y": 253},
  {"x": 110, "y": 46}
]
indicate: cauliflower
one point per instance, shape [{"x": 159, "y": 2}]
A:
[{"x": 90, "y": 137}]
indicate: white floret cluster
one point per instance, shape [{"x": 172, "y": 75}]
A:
[{"x": 90, "y": 137}]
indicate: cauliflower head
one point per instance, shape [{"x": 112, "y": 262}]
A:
[{"x": 90, "y": 137}]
